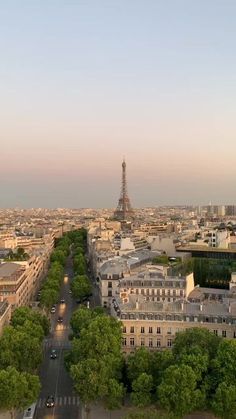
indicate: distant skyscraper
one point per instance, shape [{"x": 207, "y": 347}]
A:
[{"x": 124, "y": 211}]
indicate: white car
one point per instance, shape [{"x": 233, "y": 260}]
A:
[{"x": 53, "y": 310}]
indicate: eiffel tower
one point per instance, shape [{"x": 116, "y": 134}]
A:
[{"x": 124, "y": 211}]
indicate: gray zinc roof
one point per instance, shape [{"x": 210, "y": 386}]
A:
[{"x": 9, "y": 268}]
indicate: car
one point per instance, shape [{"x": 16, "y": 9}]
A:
[
  {"x": 70, "y": 292},
  {"x": 50, "y": 402},
  {"x": 53, "y": 354},
  {"x": 62, "y": 301},
  {"x": 60, "y": 319},
  {"x": 53, "y": 310}
]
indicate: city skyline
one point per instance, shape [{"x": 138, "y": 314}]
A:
[{"x": 83, "y": 85}]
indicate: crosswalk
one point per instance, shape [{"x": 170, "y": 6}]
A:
[
  {"x": 57, "y": 343},
  {"x": 60, "y": 401}
]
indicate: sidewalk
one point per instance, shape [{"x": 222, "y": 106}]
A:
[
  {"x": 5, "y": 415},
  {"x": 98, "y": 412}
]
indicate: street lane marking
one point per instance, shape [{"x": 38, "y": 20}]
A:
[
  {"x": 60, "y": 401},
  {"x": 77, "y": 401},
  {"x": 64, "y": 400},
  {"x": 41, "y": 402},
  {"x": 68, "y": 399},
  {"x": 74, "y": 400}
]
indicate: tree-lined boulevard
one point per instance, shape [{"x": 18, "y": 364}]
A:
[{"x": 80, "y": 352}]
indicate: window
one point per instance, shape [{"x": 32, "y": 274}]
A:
[
  {"x": 150, "y": 343},
  {"x": 109, "y": 293},
  {"x": 124, "y": 329},
  {"x": 169, "y": 343},
  {"x": 169, "y": 331},
  {"x": 131, "y": 341},
  {"x": 132, "y": 329},
  {"x": 158, "y": 330},
  {"x": 150, "y": 330},
  {"x": 142, "y": 342},
  {"x": 158, "y": 343},
  {"x": 215, "y": 332},
  {"x": 142, "y": 329},
  {"x": 124, "y": 341},
  {"x": 109, "y": 284},
  {"x": 224, "y": 333}
]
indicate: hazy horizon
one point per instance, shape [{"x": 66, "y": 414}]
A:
[{"x": 83, "y": 85}]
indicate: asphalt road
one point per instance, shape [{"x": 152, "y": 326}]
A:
[{"x": 54, "y": 378}]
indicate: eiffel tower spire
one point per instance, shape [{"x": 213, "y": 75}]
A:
[{"x": 124, "y": 211}]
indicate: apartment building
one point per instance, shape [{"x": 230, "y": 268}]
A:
[
  {"x": 152, "y": 322},
  {"x": 5, "y": 314},
  {"x": 19, "y": 281},
  {"x": 156, "y": 286},
  {"x": 114, "y": 270}
]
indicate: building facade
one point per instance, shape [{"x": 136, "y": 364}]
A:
[{"x": 151, "y": 319}]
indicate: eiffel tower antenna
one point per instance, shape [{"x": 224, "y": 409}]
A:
[{"x": 124, "y": 211}]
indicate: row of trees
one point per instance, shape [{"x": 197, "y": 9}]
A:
[
  {"x": 81, "y": 286},
  {"x": 20, "y": 357},
  {"x": 95, "y": 361},
  {"x": 198, "y": 374},
  {"x": 18, "y": 255},
  {"x": 51, "y": 287},
  {"x": 21, "y": 342}
]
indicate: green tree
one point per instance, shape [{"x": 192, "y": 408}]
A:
[
  {"x": 198, "y": 361},
  {"x": 138, "y": 363},
  {"x": 94, "y": 381},
  {"x": 82, "y": 317},
  {"x": 58, "y": 255},
  {"x": 102, "y": 336},
  {"x": 195, "y": 339},
  {"x": 22, "y": 314},
  {"x": 17, "y": 390},
  {"x": 81, "y": 287},
  {"x": 224, "y": 401},
  {"x": 160, "y": 361},
  {"x": 49, "y": 296},
  {"x": 115, "y": 394},
  {"x": 96, "y": 359},
  {"x": 225, "y": 361},
  {"x": 142, "y": 387},
  {"x": 20, "y": 255},
  {"x": 79, "y": 264},
  {"x": 177, "y": 392},
  {"x": 20, "y": 349}
]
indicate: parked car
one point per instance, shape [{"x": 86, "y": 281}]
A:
[
  {"x": 60, "y": 319},
  {"x": 53, "y": 310},
  {"x": 50, "y": 402}
]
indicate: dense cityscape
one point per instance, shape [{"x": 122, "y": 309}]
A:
[
  {"x": 106, "y": 310},
  {"x": 117, "y": 209}
]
